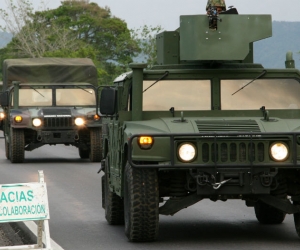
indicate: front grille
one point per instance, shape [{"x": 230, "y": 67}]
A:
[
  {"x": 234, "y": 152},
  {"x": 228, "y": 126},
  {"x": 57, "y": 118},
  {"x": 231, "y": 149},
  {"x": 58, "y": 122}
]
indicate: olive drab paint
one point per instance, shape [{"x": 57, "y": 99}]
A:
[
  {"x": 50, "y": 101},
  {"x": 205, "y": 122}
]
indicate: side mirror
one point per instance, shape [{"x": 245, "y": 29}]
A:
[
  {"x": 4, "y": 100},
  {"x": 108, "y": 101}
]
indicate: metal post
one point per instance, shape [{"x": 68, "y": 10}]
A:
[
  {"x": 137, "y": 91},
  {"x": 16, "y": 94}
]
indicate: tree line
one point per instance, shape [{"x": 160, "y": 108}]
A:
[{"x": 77, "y": 28}]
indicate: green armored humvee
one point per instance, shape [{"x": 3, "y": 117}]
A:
[
  {"x": 1, "y": 110},
  {"x": 205, "y": 123},
  {"x": 50, "y": 101}
]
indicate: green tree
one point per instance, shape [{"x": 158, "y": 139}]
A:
[
  {"x": 77, "y": 28},
  {"x": 145, "y": 36}
]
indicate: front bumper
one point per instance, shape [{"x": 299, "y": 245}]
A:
[
  {"x": 57, "y": 136},
  {"x": 216, "y": 150}
]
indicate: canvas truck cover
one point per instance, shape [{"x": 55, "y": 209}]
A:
[{"x": 49, "y": 70}]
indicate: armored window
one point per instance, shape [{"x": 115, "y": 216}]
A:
[
  {"x": 271, "y": 93},
  {"x": 75, "y": 97},
  {"x": 180, "y": 94},
  {"x": 32, "y": 97}
]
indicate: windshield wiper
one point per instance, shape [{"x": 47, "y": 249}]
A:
[
  {"x": 262, "y": 74},
  {"x": 165, "y": 74},
  {"x": 36, "y": 91},
  {"x": 83, "y": 89}
]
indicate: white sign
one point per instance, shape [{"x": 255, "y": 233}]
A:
[{"x": 23, "y": 201}]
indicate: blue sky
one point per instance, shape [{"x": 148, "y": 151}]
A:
[{"x": 166, "y": 13}]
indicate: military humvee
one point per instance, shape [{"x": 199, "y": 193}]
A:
[
  {"x": 1, "y": 110},
  {"x": 205, "y": 123},
  {"x": 50, "y": 101}
]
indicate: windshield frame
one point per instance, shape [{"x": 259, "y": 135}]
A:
[
  {"x": 54, "y": 87},
  {"x": 190, "y": 72}
]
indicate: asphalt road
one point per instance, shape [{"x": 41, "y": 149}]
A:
[{"x": 77, "y": 219}]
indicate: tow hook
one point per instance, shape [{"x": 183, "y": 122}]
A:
[
  {"x": 266, "y": 179},
  {"x": 218, "y": 185},
  {"x": 203, "y": 179}
]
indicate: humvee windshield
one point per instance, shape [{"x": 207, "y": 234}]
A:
[
  {"x": 271, "y": 93},
  {"x": 196, "y": 94},
  {"x": 180, "y": 94},
  {"x": 33, "y": 96}
]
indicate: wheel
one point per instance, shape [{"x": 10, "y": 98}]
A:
[
  {"x": 17, "y": 146},
  {"x": 84, "y": 154},
  {"x": 266, "y": 214},
  {"x": 297, "y": 219},
  {"x": 96, "y": 145},
  {"x": 113, "y": 204},
  {"x": 141, "y": 204},
  {"x": 6, "y": 148}
]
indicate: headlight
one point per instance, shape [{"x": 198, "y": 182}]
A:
[
  {"x": 2, "y": 115},
  {"x": 79, "y": 121},
  {"x": 279, "y": 151},
  {"x": 187, "y": 152},
  {"x": 145, "y": 142},
  {"x": 18, "y": 118},
  {"x": 36, "y": 122}
]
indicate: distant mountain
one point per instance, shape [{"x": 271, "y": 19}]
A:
[
  {"x": 271, "y": 52},
  {"x": 5, "y": 38}
]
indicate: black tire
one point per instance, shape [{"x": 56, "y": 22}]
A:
[
  {"x": 6, "y": 149},
  {"x": 297, "y": 220},
  {"x": 113, "y": 204},
  {"x": 96, "y": 145},
  {"x": 266, "y": 214},
  {"x": 141, "y": 204},
  {"x": 84, "y": 154},
  {"x": 17, "y": 146}
]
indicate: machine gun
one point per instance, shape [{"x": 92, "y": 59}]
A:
[{"x": 213, "y": 17}]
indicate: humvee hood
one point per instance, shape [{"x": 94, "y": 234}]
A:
[{"x": 200, "y": 124}]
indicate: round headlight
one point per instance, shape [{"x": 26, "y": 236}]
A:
[
  {"x": 2, "y": 115},
  {"x": 79, "y": 121},
  {"x": 36, "y": 122},
  {"x": 18, "y": 119},
  {"x": 187, "y": 152},
  {"x": 279, "y": 151}
]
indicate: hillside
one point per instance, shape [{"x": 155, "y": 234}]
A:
[{"x": 271, "y": 52}]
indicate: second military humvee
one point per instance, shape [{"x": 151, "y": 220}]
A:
[
  {"x": 50, "y": 101},
  {"x": 205, "y": 123}
]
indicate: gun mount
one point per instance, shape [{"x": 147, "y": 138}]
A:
[{"x": 196, "y": 41}]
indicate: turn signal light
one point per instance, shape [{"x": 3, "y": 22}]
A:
[
  {"x": 145, "y": 142},
  {"x": 96, "y": 117},
  {"x": 18, "y": 119}
]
